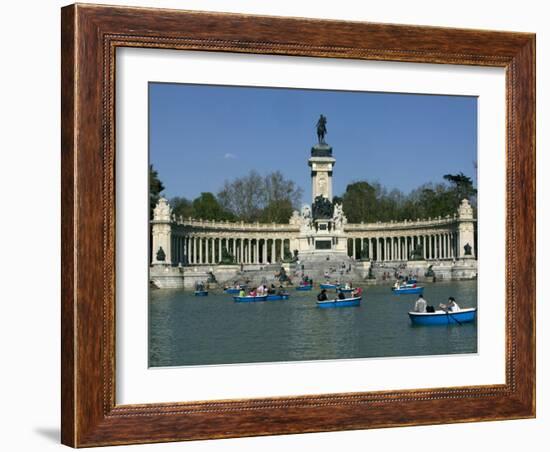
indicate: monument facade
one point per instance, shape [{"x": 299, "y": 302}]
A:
[{"x": 318, "y": 237}]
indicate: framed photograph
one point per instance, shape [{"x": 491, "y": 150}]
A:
[{"x": 281, "y": 225}]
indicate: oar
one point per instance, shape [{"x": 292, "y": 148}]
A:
[{"x": 451, "y": 316}]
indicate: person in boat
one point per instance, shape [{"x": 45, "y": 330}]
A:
[
  {"x": 357, "y": 292},
  {"x": 322, "y": 295},
  {"x": 253, "y": 293},
  {"x": 396, "y": 285},
  {"x": 420, "y": 305},
  {"x": 242, "y": 293},
  {"x": 341, "y": 295},
  {"x": 271, "y": 290},
  {"x": 451, "y": 306}
]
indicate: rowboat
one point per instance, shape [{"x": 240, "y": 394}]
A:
[
  {"x": 441, "y": 317},
  {"x": 408, "y": 290},
  {"x": 275, "y": 297},
  {"x": 250, "y": 298},
  {"x": 201, "y": 293},
  {"x": 329, "y": 286},
  {"x": 344, "y": 303},
  {"x": 304, "y": 287}
]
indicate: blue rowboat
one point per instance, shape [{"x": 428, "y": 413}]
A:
[
  {"x": 304, "y": 287},
  {"x": 250, "y": 298},
  {"x": 344, "y": 303},
  {"x": 408, "y": 290},
  {"x": 443, "y": 317},
  {"x": 232, "y": 290},
  {"x": 201, "y": 293},
  {"x": 329, "y": 286},
  {"x": 275, "y": 297}
]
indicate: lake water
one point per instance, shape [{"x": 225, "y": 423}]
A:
[{"x": 189, "y": 330}]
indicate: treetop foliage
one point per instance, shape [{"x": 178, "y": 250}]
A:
[{"x": 272, "y": 198}]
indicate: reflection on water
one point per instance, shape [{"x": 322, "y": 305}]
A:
[{"x": 189, "y": 330}]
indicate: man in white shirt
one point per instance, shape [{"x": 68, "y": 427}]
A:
[{"x": 420, "y": 305}]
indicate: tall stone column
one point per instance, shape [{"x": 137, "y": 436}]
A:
[
  {"x": 424, "y": 247},
  {"x": 241, "y": 253},
  {"x": 273, "y": 259},
  {"x": 162, "y": 232}
]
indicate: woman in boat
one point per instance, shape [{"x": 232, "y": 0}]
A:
[
  {"x": 242, "y": 293},
  {"x": 323, "y": 295},
  {"x": 357, "y": 292},
  {"x": 252, "y": 293},
  {"x": 451, "y": 306},
  {"x": 341, "y": 295}
]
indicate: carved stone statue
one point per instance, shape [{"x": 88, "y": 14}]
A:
[
  {"x": 467, "y": 249},
  {"x": 339, "y": 217},
  {"x": 306, "y": 212},
  {"x": 321, "y": 129},
  {"x": 161, "y": 255}
]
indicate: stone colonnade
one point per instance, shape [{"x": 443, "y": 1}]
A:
[
  {"x": 194, "y": 242},
  {"x": 432, "y": 245},
  {"x": 196, "y": 248}
]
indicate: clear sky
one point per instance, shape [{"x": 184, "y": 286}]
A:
[{"x": 201, "y": 135}]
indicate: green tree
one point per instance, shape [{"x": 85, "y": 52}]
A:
[
  {"x": 277, "y": 212},
  {"x": 182, "y": 207},
  {"x": 207, "y": 207},
  {"x": 155, "y": 189},
  {"x": 359, "y": 202},
  {"x": 462, "y": 186}
]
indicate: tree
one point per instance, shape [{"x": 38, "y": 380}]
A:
[
  {"x": 256, "y": 198},
  {"x": 182, "y": 207},
  {"x": 277, "y": 212},
  {"x": 207, "y": 207},
  {"x": 359, "y": 202},
  {"x": 155, "y": 189},
  {"x": 462, "y": 186},
  {"x": 243, "y": 197}
]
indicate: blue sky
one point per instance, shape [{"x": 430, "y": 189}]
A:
[{"x": 201, "y": 135}]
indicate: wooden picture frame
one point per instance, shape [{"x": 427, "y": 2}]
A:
[{"x": 90, "y": 36}]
